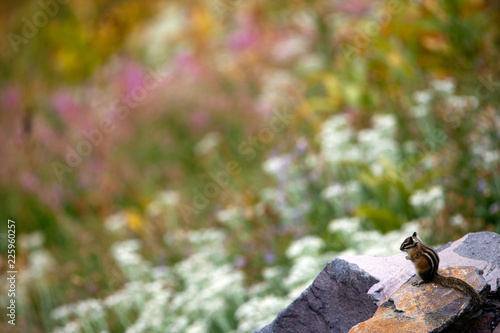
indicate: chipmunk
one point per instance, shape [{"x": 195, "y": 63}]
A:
[{"x": 426, "y": 262}]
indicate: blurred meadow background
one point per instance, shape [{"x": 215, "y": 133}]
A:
[{"x": 191, "y": 166}]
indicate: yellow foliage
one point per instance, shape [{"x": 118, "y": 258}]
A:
[
  {"x": 202, "y": 22},
  {"x": 134, "y": 221},
  {"x": 332, "y": 86}
]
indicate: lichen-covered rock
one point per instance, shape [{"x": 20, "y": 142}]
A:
[
  {"x": 426, "y": 308},
  {"x": 480, "y": 250}
]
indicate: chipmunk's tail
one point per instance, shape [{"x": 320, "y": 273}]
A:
[{"x": 453, "y": 282}]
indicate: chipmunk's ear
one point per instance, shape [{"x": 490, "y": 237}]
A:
[{"x": 415, "y": 234}]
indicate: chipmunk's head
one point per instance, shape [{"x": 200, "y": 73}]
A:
[{"x": 410, "y": 242}]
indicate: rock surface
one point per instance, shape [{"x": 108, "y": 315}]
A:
[
  {"x": 334, "y": 302},
  {"x": 349, "y": 288},
  {"x": 425, "y": 308},
  {"x": 480, "y": 250}
]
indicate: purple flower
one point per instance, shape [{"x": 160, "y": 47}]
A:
[
  {"x": 494, "y": 208},
  {"x": 240, "y": 262},
  {"x": 482, "y": 186},
  {"x": 269, "y": 258},
  {"x": 301, "y": 146}
]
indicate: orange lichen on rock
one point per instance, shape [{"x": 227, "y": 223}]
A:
[{"x": 423, "y": 308}]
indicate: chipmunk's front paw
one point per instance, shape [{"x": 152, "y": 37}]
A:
[
  {"x": 407, "y": 258},
  {"x": 417, "y": 283}
]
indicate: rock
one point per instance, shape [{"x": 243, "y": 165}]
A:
[
  {"x": 480, "y": 250},
  {"x": 349, "y": 289},
  {"x": 482, "y": 324},
  {"x": 427, "y": 307},
  {"x": 335, "y": 301}
]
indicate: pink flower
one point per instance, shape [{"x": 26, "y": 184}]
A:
[
  {"x": 187, "y": 63},
  {"x": 243, "y": 39},
  {"x": 355, "y": 7},
  {"x": 198, "y": 119},
  {"x": 11, "y": 98},
  {"x": 29, "y": 181},
  {"x": 134, "y": 75},
  {"x": 246, "y": 36},
  {"x": 65, "y": 105},
  {"x": 52, "y": 196}
]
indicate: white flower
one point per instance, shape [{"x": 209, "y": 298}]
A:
[
  {"x": 342, "y": 194},
  {"x": 207, "y": 143},
  {"x": 207, "y": 237},
  {"x": 377, "y": 169},
  {"x": 71, "y": 327},
  {"x": 164, "y": 201},
  {"x": 116, "y": 222},
  {"x": 458, "y": 220},
  {"x": 345, "y": 225},
  {"x": 89, "y": 309},
  {"x": 200, "y": 326},
  {"x": 491, "y": 156},
  {"x": 368, "y": 136},
  {"x": 337, "y": 144},
  {"x": 333, "y": 191},
  {"x": 367, "y": 242},
  {"x": 125, "y": 254},
  {"x": 418, "y": 198},
  {"x": 290, "y": 47},
  {"x": 384, "y": 124},
  {"x": 258, "y": 312},
  {"x": 271, "y": 273},
  {"x": 420, "y": 111},
  {"x": 276, "y": 165},
  {"x": 463, "y": 102},
  {"x": 272, "y": 95},
  {"x": 32, "y": 240},
  {"x": 229, "y": 214},
  {"x": 436, "y": 196},
  {"x": 128, "y": 297},
  {"x": 422, "y": 96},
  {"x": 305, "y": 269},
  {"x": 161, "y": 273},
  {"x": 159, "y": 35},
  {"x": 40, "y": 262},
  {"x": 298, "y": 290},
  {"x": 446, "y": 86},
  {"x": 432, "y": 199},
  {"x": 169, "y": 198},
  {"x": 335, "y": 138},
  {"x": 63, "y": 312},
  {"x": 308, "y": 245}
]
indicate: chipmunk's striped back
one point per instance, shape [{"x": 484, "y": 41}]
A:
[{"x": 431, "y": 257}]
